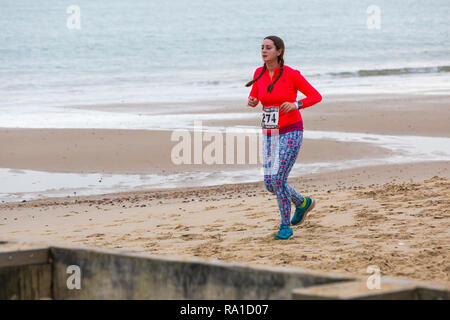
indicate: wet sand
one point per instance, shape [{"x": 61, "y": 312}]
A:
[{"x": 140, "y": 151}]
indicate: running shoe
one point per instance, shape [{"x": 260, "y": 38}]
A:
[
  {"x": 284, "y": 233},
  {"x": 302, "y": 210}
]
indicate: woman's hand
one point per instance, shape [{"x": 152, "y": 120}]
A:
[
  {"x": 288, "y": 106},
  {"x": 252, "y": 102}
]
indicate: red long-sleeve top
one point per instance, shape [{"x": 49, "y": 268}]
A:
[{"x": 284, "y": 90}]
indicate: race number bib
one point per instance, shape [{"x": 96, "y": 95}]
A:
[{"x": 270, "y": 118}]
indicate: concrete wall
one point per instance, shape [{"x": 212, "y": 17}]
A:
[
  {"x": 27, "y": 282},
  {"x": 436, "y": 293},
  {"x": 25, "y": 274},
  {"x": 390, "y": 289},
  {"x": 42, "y": 274},
  {"x": 112, "y": 275}
]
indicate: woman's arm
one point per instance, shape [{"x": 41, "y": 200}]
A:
[{"x": 312, "y": 95}]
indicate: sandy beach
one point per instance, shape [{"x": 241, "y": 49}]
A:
[{"x": 395, "y": 216}]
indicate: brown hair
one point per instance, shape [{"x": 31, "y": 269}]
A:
[{"x": 279, "y": 44}]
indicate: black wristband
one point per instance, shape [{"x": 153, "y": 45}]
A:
[{"x": 300, "y": 104}]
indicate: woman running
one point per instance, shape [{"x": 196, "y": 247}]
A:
[{"x": 276, "y": 85}]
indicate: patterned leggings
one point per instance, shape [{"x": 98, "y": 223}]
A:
[{"x": 279, "y": 155}]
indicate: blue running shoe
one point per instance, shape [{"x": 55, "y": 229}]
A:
[
  {"x": 284, "y": 233},
  {"x": 301, "y": 211}
]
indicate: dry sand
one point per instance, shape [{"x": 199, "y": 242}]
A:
[
  {"x": 393, "y": 216},
  {"x": 402, "y": 227}
]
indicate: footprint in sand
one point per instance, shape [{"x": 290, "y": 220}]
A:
[
  {"x": 151, "y": 245},
  {"x": 165, "y": 236},
  {"x": 211, "y": 228},
  {"x": 181, "y": 227},
  {"x": 95, "y": 235},
  {"x": 192, "y": 236}
]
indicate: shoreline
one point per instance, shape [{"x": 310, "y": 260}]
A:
[
  {"x": 366, "y": 176},
  {"x": 395, "y": 114}
]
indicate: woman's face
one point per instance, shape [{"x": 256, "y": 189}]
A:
[{"x": 269, "y": 52}]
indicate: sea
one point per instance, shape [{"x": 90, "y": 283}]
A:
[
  {"x": 149, "y": 51},
  {"x": 58, "y": 54}
]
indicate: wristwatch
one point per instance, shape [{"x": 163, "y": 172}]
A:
[{"x": 299, "y": 104}]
